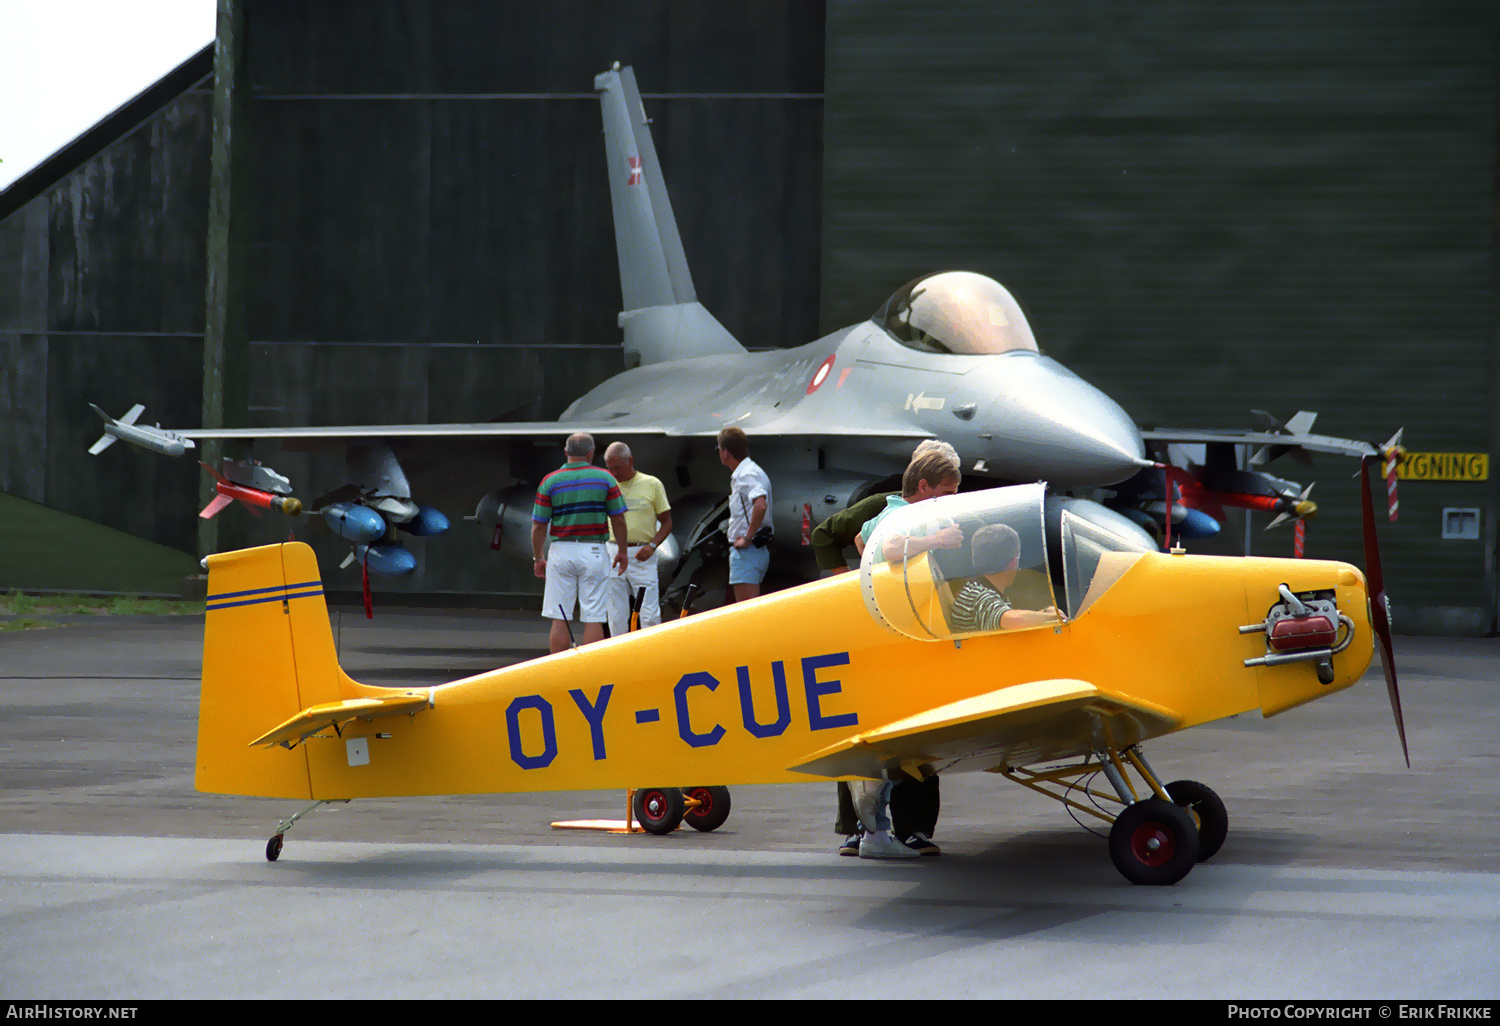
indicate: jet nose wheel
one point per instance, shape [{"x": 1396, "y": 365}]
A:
[
  {"x": 1153, "y": 842},
  {"x": 659, "y": 809}
]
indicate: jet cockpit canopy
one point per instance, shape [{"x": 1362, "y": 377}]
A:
[{"x": 956, "y": 312}]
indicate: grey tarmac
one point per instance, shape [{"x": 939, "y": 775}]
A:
[{"x": 1345, "y": 875}]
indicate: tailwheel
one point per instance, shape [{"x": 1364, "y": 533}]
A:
[
  {"x": 273, "y": 848},
  {"x": 1153, "y": 842},
  {"x": 659, "y": 809},
  {"x": 711, "y": 808},
  {"x": 1207, "y": 811}
]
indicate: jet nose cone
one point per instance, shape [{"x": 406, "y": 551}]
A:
[{"x": 1049, "y": 424}]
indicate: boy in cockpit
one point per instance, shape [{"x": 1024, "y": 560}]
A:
[{"x": 982, "y": 605}]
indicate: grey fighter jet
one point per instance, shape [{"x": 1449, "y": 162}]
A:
[{"x": 949, "y": 355}]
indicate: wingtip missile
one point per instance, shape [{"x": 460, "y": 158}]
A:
[{"x": 157, "y": 439}]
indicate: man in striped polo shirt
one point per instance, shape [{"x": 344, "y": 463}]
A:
[{"x": 580, "y": 506}]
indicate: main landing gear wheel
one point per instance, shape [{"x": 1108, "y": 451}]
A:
[
  {"x": 1153, "y": 842},
  {"x": 712, "y": 808},
  {"x": 273, "y": 848},
  {"x": 659, "y": 809},
  {"x": 1207, "y": 810}
]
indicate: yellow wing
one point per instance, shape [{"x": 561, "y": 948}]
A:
[
  {"x": 1039, "y": 721},
  {"x": 314, "y": 718}
]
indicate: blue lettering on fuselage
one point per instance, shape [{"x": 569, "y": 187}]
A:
[
  {"x": 549, "y": 732},
  {"x": 705, "y": 733},
  {"x": 747, "y": 704},
  {"x": 685, "y": 730},
  {"x": 594, "y": 713},
  {"x": 817, "y": 690}
]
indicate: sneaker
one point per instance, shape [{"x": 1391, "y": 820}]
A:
[
  {"x": 922, "y": 844},
  {"x": 883, "y": 845},
  {"x": 850, "y": 845}
]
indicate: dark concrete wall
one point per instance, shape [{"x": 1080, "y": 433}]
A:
[
  {"x": 102, "y": 302},
  {"x": 1204, "y": 209},
  {"x": 430, "y": 237}
]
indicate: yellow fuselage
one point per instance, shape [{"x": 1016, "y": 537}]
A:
[{"x": 736, "y": 695}]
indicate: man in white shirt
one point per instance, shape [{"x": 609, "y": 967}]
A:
[{"x": 750, "y": 526}]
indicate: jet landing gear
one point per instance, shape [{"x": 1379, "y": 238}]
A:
[{"x": 1154, "y": 838}]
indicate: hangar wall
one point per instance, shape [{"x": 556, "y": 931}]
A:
[
  {"x": 430, "y": 237},
  {"x": 1204, "y": 210},
  {"x": 101, "y": 300}
]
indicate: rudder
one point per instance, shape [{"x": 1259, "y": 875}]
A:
[{"x": 268, "y": 653}]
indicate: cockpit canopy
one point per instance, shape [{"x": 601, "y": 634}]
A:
[
  {"x": 956, "y": 312},
  {"x": 998, "y": 560}
]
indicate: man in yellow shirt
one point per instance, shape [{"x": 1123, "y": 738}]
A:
[{"x": 648, "y": 522}]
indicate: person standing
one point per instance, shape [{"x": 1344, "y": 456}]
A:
[
  {"x": 750, "y": 527},
  {"x": 885, "y": 819},
  {"x": 579, "y": 505},
  {"x": 648, "y": 522},
  {"x": 834, "y": 535}
]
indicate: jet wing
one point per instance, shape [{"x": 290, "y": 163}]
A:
[
  {"x": 1313, "y": 443},
  {"x": 1024, "y": 724},
  {"x": 333, "y": 714},
  {"x": 550, "y": 429}
]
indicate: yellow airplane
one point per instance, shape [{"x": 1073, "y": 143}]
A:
[{"x": 1050, "y": 662}]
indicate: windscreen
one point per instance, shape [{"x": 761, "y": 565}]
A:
[
  {"x": 1093, "y": 559},
  {"x": 961, "y": 565}
]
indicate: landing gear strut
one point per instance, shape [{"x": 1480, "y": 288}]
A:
[
  {"x": 273, "y": 846},
  {"x": 1156, "y": 835}
]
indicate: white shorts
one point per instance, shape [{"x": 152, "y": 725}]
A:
[
  {"x": 577, "y": 572},
  {"x": 638, "y": 574}
]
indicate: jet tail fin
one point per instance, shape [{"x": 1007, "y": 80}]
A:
[{"x": 662, "y": 317}]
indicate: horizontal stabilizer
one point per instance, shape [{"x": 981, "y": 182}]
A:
[
  {"x": 335, "y": 714},
  {"x": 1020, "y": 725},
  {"x": 659, "y": 334}
]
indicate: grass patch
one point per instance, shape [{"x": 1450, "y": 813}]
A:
[
  {"x": 19, "y": 604},
  {"x": 50, "y": 550},
  {"x": 25, "y": 623}
]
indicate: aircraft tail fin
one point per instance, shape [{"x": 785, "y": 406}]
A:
[
  {"x": 662, "y": 317},
  {"x": 268, "y": 653}
]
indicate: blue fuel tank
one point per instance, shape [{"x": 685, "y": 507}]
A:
[
  {"x": 1187, "y": 523},
  {"x": 386, "y": 560},
  {"x": 429, "y": 521},
  {"x": 353, "y": 522}
]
